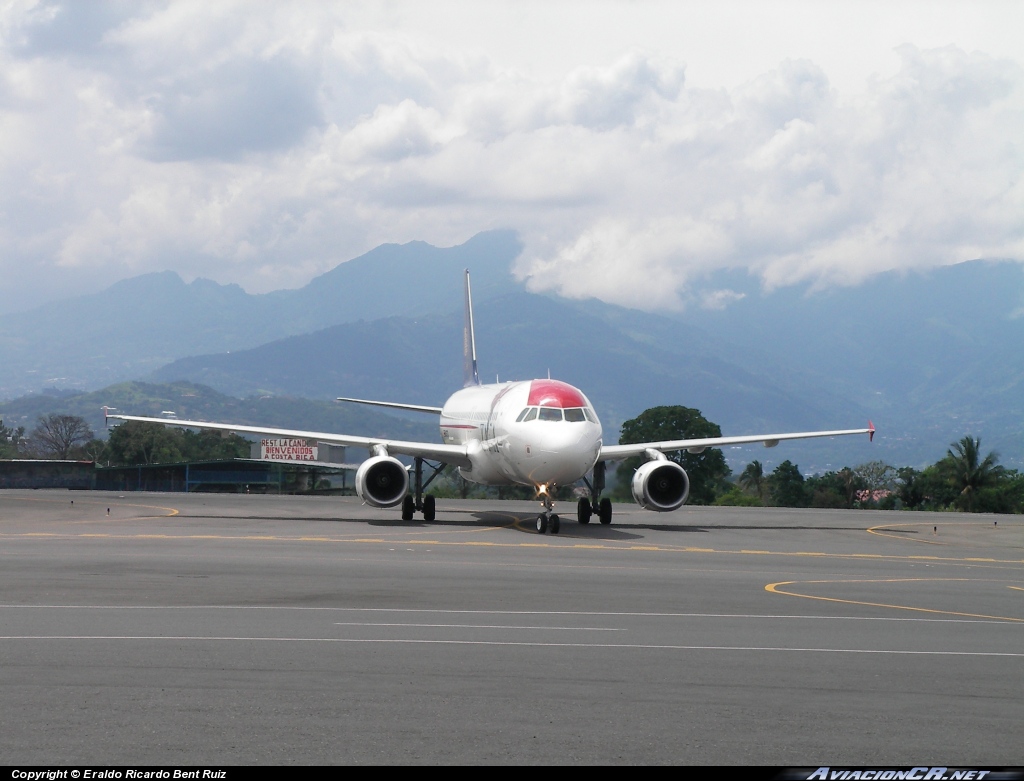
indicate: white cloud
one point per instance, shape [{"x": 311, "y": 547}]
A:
[
  {"x": 800, "y": 186},
  {"x": 720, "y": 299},
  {"x": 263, "y": 147}
]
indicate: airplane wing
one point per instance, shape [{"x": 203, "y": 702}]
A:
[
  {"x": 613, "y": 452},
  {"x": 449, "y": 454}
]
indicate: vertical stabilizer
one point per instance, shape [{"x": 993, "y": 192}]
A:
[{"x": 470, "y": 375}]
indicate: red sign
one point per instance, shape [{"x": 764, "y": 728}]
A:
[{"x": 288, "y": 450}]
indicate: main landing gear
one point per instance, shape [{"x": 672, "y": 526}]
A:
[
  {"x": 602, "y": 508},
  {"x": 425, "y": 504},
  {"x": 547, "y": 520},
  {"x": 585, "y": 510}
]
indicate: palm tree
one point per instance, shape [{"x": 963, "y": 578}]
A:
[
  {"x": 752, "y": 478},
  {"x": 852, "y": 483},
  {"x": 971, "y": 473}
]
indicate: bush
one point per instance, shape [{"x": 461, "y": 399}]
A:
[{"x": 737, "y": 498}]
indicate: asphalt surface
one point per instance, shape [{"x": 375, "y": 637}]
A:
[{"x": 203, "y": 629}]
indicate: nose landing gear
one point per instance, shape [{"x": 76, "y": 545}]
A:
[
  {"x": 546, "y": 522},
  {"x": 547, "y": 519}
]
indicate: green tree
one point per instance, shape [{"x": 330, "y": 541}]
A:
[
  {"x": 10, "y": 440},
  {"x": 876, "y": 476},
  {"x": 910, "y": 487},
  {"x": 936, "y": 484},
  {"x": 134, "y": 442},
  {"x": 95, "y": 450},
  {"x": 1012, "y": 492},
  {"x": 787, "y": 486},
  {"x": 753, "y": 480},
  {"x": 841, "y": 488},
  {"x": 707, "y": 470},
  {"x": 972, "y": 474},
  {"x": 833, "y": 489},
  {"x": 851, "y": 482},
  {"x": 213, "y": 446}
]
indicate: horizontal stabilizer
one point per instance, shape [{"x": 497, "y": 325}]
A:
[{"x": 393, "y": 405}]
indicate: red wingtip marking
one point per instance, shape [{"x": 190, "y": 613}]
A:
[{"x": 871, "y": 431}]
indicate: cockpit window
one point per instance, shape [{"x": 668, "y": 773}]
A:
[{"x": 573, "y": 414}]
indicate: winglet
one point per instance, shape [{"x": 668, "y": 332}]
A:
[
  {"x": 470, "y": 375},
  {"x": 871, "y": 431}
]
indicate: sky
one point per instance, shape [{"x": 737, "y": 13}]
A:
[{"x": 639, "y": 148}]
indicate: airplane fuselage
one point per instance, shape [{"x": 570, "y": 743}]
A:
[{"x": 538, "y": 432}]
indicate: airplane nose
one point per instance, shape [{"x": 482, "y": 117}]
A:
[
  {"x": 562, "y": 439},
  {"x": 569, "y": 451}
]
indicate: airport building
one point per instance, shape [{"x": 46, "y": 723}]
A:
[
  {"x": 41, "y": 473},
  {"x": 275, "y": 466}
]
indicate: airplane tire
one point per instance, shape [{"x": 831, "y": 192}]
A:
[
  {"x": 583, "y": 511},
  {"x": 556, "y": 524},
  {"x": 429, "y": 508},
  {"x": 542, "y": 524},
  {"x": 408, "y": 508},
  {"x": 604, "y": 511}
]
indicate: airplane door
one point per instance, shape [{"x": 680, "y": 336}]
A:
[{"x": 489, "y": 433}]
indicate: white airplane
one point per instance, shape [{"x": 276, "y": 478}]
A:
[{"x": 539, "y": 433}]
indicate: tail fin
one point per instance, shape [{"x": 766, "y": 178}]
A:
[{"x": 470, "y": 375}]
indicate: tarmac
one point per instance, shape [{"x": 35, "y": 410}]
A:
[{"x": 222, "y": 630}]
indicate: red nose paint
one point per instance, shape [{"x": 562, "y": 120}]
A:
[{"x": 552, "y": 393}]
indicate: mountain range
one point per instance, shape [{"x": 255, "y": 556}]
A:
[
  {"x": 139, "y": 324},
  {"x": 929, "y": 357},
  {"x": 198, "y": 402}
]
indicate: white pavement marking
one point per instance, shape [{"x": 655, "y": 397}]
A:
[
  {"x": 443, "y": 611},
  {"x": 487, "y": 626},
  {"x": 627, "y": 646}
]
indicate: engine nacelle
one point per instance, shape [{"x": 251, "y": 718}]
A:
[
  {"x": 661, "y": 486},
  {"x": 382, "y": 481}
]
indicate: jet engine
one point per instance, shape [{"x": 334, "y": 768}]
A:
[
  {"x": 661, "y": 486},
  {"x": 382, "y": 481}
]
